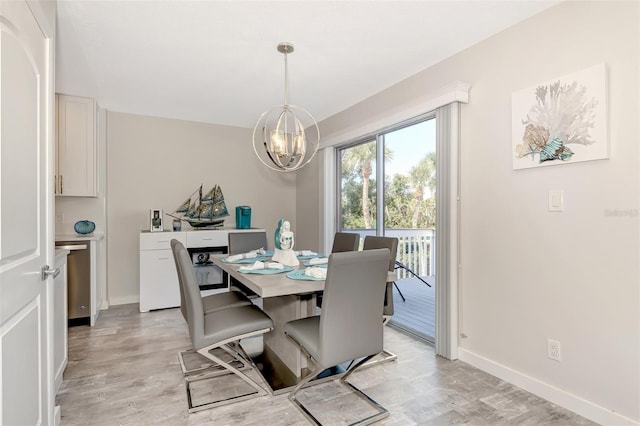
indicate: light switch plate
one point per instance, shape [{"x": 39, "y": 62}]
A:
[{"x": 556, "y": 200}]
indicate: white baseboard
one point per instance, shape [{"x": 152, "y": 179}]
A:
[
  {"x": 557, "y": 396},
  {"x": 123, "y": 300}
]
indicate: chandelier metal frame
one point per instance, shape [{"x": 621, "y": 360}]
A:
[{"x": 286, "y": 137}]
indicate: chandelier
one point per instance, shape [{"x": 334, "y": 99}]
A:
[{"x": 286, "y": 137}]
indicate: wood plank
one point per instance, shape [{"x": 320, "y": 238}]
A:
[
  {"x": 417, "y": 313},
  {"x": 125, "y": 371}
]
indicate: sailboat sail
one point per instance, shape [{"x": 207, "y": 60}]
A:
[
  {"x": 208, "y": 197},
  {"x": 203, "y": 210},
  {"x": 184, "y": 207}
]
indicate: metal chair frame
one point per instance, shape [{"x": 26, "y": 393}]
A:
[
  {"x": 240, "y": 356},
  {"x": 203, "y": 337},
  {"x": 381, "y": 412},
  {"x": 339, "y": 283}
]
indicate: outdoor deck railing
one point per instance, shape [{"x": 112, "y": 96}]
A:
[{"x": 416, "y": 249}]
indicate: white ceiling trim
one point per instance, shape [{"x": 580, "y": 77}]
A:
[{"x": 454, "y": 92}]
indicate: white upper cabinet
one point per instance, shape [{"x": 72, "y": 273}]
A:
[{"x": 76, "y": 146}]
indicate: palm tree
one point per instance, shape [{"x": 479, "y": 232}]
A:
[
  {"x": 359, "y": 159},
  {"x": 422, "y": 175}
]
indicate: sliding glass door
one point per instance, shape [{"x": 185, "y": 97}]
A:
[{"x": 386, "y": 186}]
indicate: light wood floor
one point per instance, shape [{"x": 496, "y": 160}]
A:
[{"x": 125, "y": 371}]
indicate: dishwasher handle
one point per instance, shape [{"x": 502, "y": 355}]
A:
[{"x": 73, "y": 247}]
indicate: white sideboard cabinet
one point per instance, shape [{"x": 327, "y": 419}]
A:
[
  {"x": 158, "y": 277},
  {"x": 76, "y": 146}
]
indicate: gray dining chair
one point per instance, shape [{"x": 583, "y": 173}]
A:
[
  {"x": 222, "y": 329},
  {"x": 349, "y": 326},
  {"x": 342, "y": 241},
  {"x": 244, "y": 242},
  {"x": 211, "y": 303},
  {"x": 371, "y": 243},
  {"x": 345, "y": 241}
]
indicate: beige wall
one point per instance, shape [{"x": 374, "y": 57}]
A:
[
  {"x": 307, "y": 213},
  {"x": 527, "y": 274},
  {"x": 157, "y": 163}
]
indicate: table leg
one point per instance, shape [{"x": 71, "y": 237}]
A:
[
  {"x": 283, "y": 309},
  {"x": 283, "y": 362}
]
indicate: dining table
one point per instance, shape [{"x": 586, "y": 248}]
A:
[{"x": 282, "y": 363}]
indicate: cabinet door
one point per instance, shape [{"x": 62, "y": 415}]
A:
[
  {"x": 158, "y": 280},
  {"x": 76, "y": 146}
]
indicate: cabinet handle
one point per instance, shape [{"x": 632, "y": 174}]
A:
[
  {"x": 163, "y": 258},
  {"x": 55, "y": 184},
  {"x": 61, "y": 187}
]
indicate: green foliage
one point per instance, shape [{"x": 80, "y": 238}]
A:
[{"x": 405, "y": 204}]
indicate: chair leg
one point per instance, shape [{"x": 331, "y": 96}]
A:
[
  {"x": 398, "y": 288},
  {"x": 205, "y": 368},
  {"x": 298, "y": 404},
  {"x": 381, "y": 412},
  {"x": 208, "y": 353}
]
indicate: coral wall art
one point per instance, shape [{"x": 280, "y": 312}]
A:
[{"x": 561, "y": 121}]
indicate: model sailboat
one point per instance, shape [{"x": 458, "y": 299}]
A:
[{"x": 201, "y": 211}]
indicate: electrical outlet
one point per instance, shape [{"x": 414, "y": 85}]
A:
[
  {"x": 59, "y": 217},
  {"x": 553, "y": 350}
]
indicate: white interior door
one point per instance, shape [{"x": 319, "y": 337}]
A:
[{"x": 25, "y": 203}]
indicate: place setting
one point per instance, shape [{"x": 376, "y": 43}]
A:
[
  {"x": 259, "y": 255},
  {"x": 307, "y": 254},
  {"x": 321, "y": 262},
  {"x": 264, "y": 268},
  {"x": 311, "y": 273}
]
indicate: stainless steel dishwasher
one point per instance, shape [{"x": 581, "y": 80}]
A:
[{"x": 78, "y": 281}]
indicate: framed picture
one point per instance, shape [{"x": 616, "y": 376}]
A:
[{"x": 561, "y": 121}]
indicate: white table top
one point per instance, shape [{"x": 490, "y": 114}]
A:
[
  {"x": 275, "y": 284},
  {"x": 269, "y": 285}
]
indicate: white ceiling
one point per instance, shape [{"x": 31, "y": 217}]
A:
[{"x": 216, "y": 61}]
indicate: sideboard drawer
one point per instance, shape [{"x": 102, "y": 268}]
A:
[
  {"x": 160, "y": 240},
  {"x": 213, "y": 238}
]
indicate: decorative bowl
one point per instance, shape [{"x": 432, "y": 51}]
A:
[{"x": 84, "y": 227}]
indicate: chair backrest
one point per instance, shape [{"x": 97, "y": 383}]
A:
[
  {"x": 373, "y": 242},
  {"x": 191, "y": 299},
  {"x": 243, "y": 242},
  {"x": 391, "y": 243},
  {"x": 174, "y": 249},
  {"x": 351, "y": 318},
  {"x": 345, "y": 241}
]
